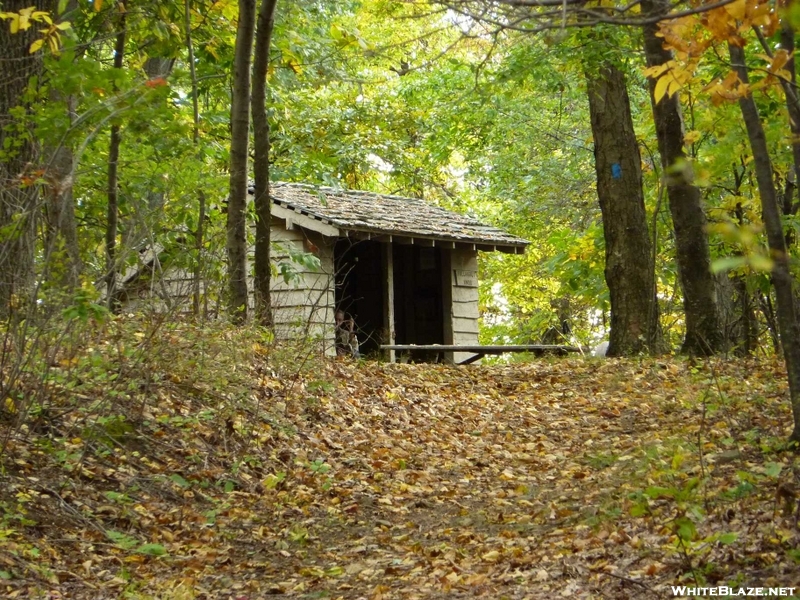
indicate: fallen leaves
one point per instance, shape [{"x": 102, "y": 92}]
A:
[{"x": 556, "y": 478}]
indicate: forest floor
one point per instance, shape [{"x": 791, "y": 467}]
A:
[{"x": 578, "y": 478}]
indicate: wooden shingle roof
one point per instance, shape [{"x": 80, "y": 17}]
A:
[{"x": 381, "y": 215}]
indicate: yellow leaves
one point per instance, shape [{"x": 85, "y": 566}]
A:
[
  {"x": 719, "y": 24},
  {"x": 727, "y": 23},
  {"x": 491, "y": 556},
  {"x": 665, "y": 85},
  {"x": 691, "y": 137},
  {"x": 776, "y": 74},
  {"x": 691, "y": 36},
  {"x": 11, "y": 406},
  {"x": 671, "y": 77},
  {"x": 729, "y": 89},
  {"x": 657, "y": 70},
  {"x": 23, "y": 20},
  {"x": 736, "y": 9},
  {"x": 777, "y": 62}
]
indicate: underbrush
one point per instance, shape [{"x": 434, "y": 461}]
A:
[
  {"x": 146, "y": 458},
  {"x": 105, "y": 421}
]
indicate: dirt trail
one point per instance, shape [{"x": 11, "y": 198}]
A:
[{"x": 419, "y": 481}]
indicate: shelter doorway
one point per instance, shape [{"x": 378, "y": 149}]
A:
[
  {"x": 359, "y": 292},
  {"x": 418, "y": 296}
]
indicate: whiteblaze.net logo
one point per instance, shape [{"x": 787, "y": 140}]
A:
[{"x": 731, "y": 592}]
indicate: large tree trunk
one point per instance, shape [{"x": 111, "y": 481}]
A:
[
  {"x": 61, "y": 233},
  {"x": 240, "y": 132},
  {"x": 263, "y": 269},
  {"x": 113, "y": 178},
  {"x": 781, "y": 276},
  {"x": 61, "y": 229},
  {"x": 18, "y": 154},
  {"x": 703, "y": 332},
  {"x": 629, "y": 268}
]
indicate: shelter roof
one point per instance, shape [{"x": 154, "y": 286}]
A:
[{"x": 371, "y": 215}]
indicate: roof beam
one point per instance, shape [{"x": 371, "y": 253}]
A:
[{"x": 295, "y": 218}]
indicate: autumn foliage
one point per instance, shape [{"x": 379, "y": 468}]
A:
[
  {"x": 175, "y": 478},
  {"x": 692, "y": 37}
]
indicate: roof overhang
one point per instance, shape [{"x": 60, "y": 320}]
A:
[
  {"x": 305, "y": 220},
  {"x": 308, "y": 220},
  {"x": 429, "y": 241}
]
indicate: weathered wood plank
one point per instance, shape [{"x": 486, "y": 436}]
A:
[
  {"x": 487, "y": 349},
  {"x": 465, "y": 325}
]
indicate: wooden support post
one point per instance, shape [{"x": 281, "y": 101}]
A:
[
  {"x": 447, "y": 301},
  {"x": 388, "y": 296}
]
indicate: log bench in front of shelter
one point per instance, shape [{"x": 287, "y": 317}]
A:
[{"x": 481, "y": 351}]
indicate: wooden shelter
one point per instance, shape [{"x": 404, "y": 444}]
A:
[{"x": 404, "y": 269}]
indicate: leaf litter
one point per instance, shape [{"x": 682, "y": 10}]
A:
[{"x": 557, "y": 478}]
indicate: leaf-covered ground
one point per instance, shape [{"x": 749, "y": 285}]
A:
[{"x": 570, "y": 478}]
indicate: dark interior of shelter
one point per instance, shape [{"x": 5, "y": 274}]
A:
[
  {"x": 418, "y": 302},
  {"x": 418, "y": 297},
  {"x": 359, "y": 289}
]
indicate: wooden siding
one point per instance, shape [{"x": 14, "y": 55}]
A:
[
  {"x": 464, "y": 299},
  {"x": 304, "y": 307}
]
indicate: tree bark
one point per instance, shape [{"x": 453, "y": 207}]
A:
[
  {"x": 703, "y": 331},
  {"x": 789, "y": 205},
  {"x": 747, "y": 342},
  {"x": 61, "y": 231},
  {"x": 263, "y": 269},
  {"x": 157, "y": 67},
  {"x": 781, "y": 276},
  {"x": 113, "y": 178},
  {"x": 793, "y": 108},
  {"x": 629, "y": 270},
  {"x": 19, "y": 193},
  {"x": 201, "y": 196},
  {"x": 240, "y": 132}
]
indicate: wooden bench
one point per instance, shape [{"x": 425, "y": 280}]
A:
[{"x": 480, "y": 351}]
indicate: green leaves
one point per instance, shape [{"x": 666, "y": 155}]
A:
[
  {"x": 273, "y": 480},
  {"x": 345, "y": 38},
  {"x": 154, "y": 550},
  {"x": 685, "y": 529}
]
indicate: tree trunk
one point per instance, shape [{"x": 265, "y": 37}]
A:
[
  {"x": 629, "y": 269},
  {"x": 61, "y": 229},
  {"x": 793, "y": 108},
  {"x": 781, "y": 276},
  {"x": 201, "y": 196},
  {"x": 61, "y": 232},
  {"x": 703, "y": 332},
  {"x": 263, "y": 269},
  {"x": 788, "y": 204},
  {"x": 747, "y": 342},
  {"x": 113, "y": 179},
  {"x": 18, "y": 153},
  {"x": 240, "y": 132},
  {"x": 157, "y": 67}
]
